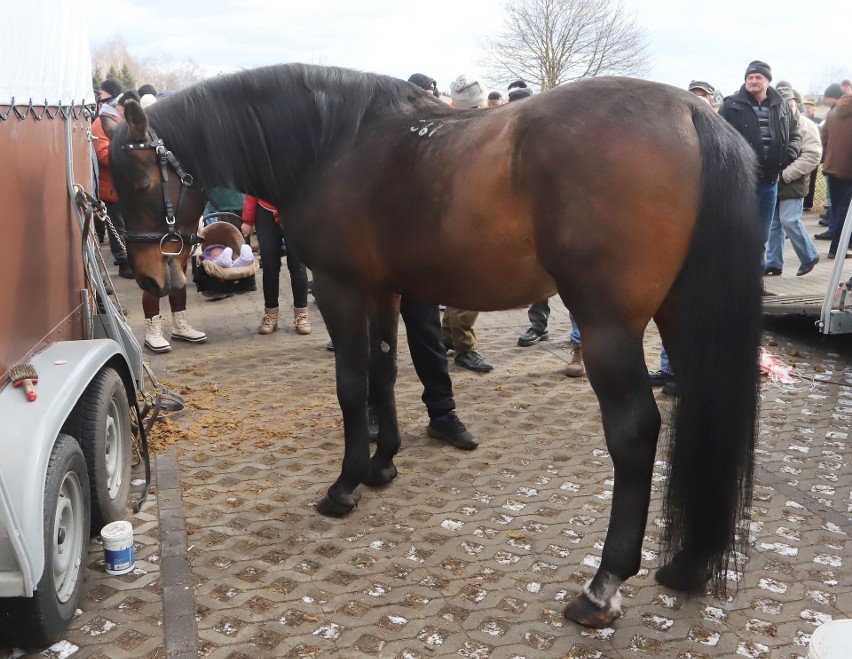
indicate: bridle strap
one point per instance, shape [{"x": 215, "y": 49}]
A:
[{"x": 165, "y": 159}]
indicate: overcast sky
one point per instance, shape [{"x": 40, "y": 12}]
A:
[{"x": 713, "y": 40}]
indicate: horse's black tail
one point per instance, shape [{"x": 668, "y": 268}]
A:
[{"x": 716, "y": 362}]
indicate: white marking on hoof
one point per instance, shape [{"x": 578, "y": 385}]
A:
[{"x": 611, "y": 603}]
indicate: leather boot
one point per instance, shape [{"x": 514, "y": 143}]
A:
[
  {"x": 300, "y": 320},
  {"x": 154, "y": 340},
  {"x": 269, "y": 322},
  {"x": 576, "y": 369},
  {"x": 183, "y": 331}
]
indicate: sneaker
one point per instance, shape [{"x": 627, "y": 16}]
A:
[
  {"x": 825, "y": 235},
  {"x": 473, "y": 361},
  {"x": 449, "y": 428},
  {"x": 660, "y": 378},
  {"x": 532, "y": 336},
  {"x": 772, "y": 272}
]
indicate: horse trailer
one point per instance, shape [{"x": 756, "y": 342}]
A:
[{"x": 66, "y": 433}]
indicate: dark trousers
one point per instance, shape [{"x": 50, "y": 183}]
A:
[
  {"x": 269, "y": 235},
  {"x": 114, "y": 212},
  {"x": 809, "y": 198},
  {"x": 840, "y": 193},
  {"x": 428, "y": 354},
  {"x": 539, "y": 314}
]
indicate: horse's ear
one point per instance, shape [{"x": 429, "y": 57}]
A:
[{"x": 137, "y": 121}]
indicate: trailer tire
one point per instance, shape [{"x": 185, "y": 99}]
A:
[
  {"x": 102, "y": 426},
  {"x": 41, "y": 619}
]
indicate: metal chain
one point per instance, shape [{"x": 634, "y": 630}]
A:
[
  {"x": 101, "y": 212},
  {"x": 99, "y": 208}
]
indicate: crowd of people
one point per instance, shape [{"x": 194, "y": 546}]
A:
[{"x": 777, "y": 121}]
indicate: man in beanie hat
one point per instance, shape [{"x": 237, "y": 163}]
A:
[
  {"x": 467, "y": 93},
  {"x": 109, "y": 91},
  {"x": 763, "y": 118},
  {"x": 837, "y": 140},
  {"x": 833, "y": 93},
  {"x": 520, "y": 93},
  {"x": 424, "y": 82},
  {"x": 103, "y": 127}
]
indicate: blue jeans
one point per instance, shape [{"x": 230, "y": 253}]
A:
[
  {"x": 767, "y": 195},
  {"x": 575, "y": 331},
  {"x": 788, "y": 219},
  {"x": 665, "y": 364}
]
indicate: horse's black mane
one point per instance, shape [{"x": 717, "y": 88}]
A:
[{"x": 274, "y": 123}]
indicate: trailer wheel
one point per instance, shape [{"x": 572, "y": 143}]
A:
[
  {"x": 41, "y": 619},
  {"x": 102, "y": 426}
]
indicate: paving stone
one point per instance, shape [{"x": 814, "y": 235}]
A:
[{"x": 465, "y": 554}]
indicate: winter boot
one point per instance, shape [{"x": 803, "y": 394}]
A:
[
  {"x": 269, "y": 323},
  {"x": 575, "y": 369},
  {"x": 300, "y": 320},
  {"x": 183, "y": 331},
  {"x": 154, "y": 340}
]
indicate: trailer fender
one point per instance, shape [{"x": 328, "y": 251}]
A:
[{"x": 28, "y": 431}]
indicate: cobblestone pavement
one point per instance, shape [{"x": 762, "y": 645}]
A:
[{"x": 465, "y": 554}]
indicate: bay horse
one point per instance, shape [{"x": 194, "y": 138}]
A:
[{"x": 632, "y": 200}]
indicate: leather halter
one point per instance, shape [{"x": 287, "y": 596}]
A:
[{"x": 172, "y": 238}]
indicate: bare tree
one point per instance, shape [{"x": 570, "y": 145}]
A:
[
  {"x": 164, "y": 72},
  {"x": 554, "y": 41}
]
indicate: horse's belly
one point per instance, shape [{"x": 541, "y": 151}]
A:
[{"x": 481, "y": 282}]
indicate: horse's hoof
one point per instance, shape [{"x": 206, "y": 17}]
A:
[
  {"x": 683, "y": 575},
  {"x": 329, "y": 507},
  {"x": 379, "y": 477},
  {"x": 584, "y": 611}
]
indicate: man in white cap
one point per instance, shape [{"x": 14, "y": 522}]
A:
[
  {"x": 457, "y": 324},
  {"x": 703, "y": 90}
]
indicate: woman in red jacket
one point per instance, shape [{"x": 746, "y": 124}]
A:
[{"x": 264, "y": 217}]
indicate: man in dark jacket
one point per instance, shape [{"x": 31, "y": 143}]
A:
[
  {"x": 763, "y": 118},
  {"x": 837, "y": 140}
]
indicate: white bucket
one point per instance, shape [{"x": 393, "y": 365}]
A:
[
  {"x": 831, "y": 640},
  {"x": 119, "y": 553}
]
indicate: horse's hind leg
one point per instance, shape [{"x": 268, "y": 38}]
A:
[
  {"x": 616, "y": 367},
  {"x": 344, "y": 310},
  {"x": 384, "y": 321}
]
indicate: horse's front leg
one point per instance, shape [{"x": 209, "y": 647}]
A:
[
  {"x": 384, "y": 321},
  {"x": 344, "y": 310},
  {"x": 615, "y": 363}
]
